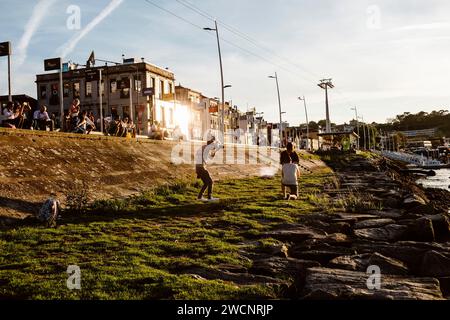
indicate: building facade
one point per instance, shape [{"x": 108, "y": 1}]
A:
[{"x": 122, "y": 91}]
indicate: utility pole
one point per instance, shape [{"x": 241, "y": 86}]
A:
[
  {"x": 100, "y": 91},
  {"x": 307, "y": 122},
  {"x": 364, "y": 131},
  {"x": 216, "y": 29},
  {"x": 5, "y": 50},
  {"x": 279, "y": 106},
  {"x": 357, "y": 125},
  {"x": 325, "y": 84}
]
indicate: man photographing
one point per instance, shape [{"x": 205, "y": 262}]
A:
[{"x": 202, "y": 156}]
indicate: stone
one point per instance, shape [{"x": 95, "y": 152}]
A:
[
  {"x": 275, "y": 266},
  {"x": 356, "y": 216},
  {"x": 421, "y": 230},
  {"x": 362, "y": 261},
  {"x": 373, "y": 223},
  {"x": 321, "y": 254},
  {"x": 325, "y": 283},
  {"x": 409, "y": 252},
  {"x": 391, "y": 233},
  {"x": 413, "y": 201},
  {"x": 435, "y": 264},
  {"x": 298, "y": 234},
  {"x": 337, "y": 239},
  {"x": 441, "y": 226}
]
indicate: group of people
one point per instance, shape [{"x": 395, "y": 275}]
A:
[
  {"x": 77, "y": 121},
  {"x": 117, "y": 127},
  {"x": 19, "y": 116},
  {"x": 289, "y": 161}
]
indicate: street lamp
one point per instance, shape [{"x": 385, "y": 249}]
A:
[
  {"x": 279, "y": 106},
  {"x": 357, "y": 124},
  {"x": 307, "y": 121},
  {"x": 216, "y": 29}
]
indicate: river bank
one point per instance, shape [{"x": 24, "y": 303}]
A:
[{"x": 250, "y": 245}]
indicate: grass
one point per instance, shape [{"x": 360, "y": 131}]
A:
[{"x": 147, "y": 246}]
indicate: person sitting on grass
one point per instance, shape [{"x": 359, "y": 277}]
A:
[
  {"x": 82, "y": 124},
  {"x": 90, "y": 119},
  {"x": 202, "y": 156},
  {"x": 114, "y": 126},
  {"x": 44, "y": 120}
]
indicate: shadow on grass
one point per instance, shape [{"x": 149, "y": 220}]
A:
[{"x": 187, "y": 210}]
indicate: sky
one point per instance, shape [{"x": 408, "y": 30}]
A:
[{"x": 385, "y": 57}]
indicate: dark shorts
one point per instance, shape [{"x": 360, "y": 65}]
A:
[
  {"x": 292, "y": 188},
  {"x": 203, "y": 174}
]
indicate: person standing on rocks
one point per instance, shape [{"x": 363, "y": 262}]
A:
[{"x": 202, "y": 156}]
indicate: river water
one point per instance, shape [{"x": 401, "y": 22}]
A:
[{"x": 440, "y": 181}]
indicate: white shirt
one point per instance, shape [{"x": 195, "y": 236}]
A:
[
  {"x": 9, "y": 115},
  {"x": 290, "y": 174},
  {"x": 43, "y": 116}
]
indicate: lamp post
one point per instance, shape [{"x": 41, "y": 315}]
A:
[
  {"x": 279, "y": 106},
  {"x": 216, "y": 29},
  {"x": 307, "y": 122},
  {"x": 364, "y": 131},
  {"x": 357, "y": 125}
]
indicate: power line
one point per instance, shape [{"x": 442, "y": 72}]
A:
[
  {"x": 223, "y": 39},
  {"x": 244, "y": 36},
  {"x": 254, "y": 42}
]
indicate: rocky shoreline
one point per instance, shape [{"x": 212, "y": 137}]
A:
[{"x": 328, "y": 254}]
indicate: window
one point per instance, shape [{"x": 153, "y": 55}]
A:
[
  {"x": 43, "y": 92},
  {"x": 152, "y": 82},
  {"x": 124, "y": 86},
  {"x": 54, "y": 97},
  {"x": 170, "y": 87},
  {"x": 76, "y": 90},
  {"x": 113, "y": 86},
  {"x": 161, "y": 89},
  {"x": 88, "y": 92},
  {"x": 137, "y": 83},
  {"x": 66, "y": 90}
]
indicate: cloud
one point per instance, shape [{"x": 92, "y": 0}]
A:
[
  {"x": 427, "y": 26},
  {"x": 70, "y": 45},
  {"x": 39, "y": 12}
]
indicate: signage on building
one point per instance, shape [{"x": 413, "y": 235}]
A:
[
  {"x": 52, "y": 64},
  {"x": 214, "y": 109},
  {"x": 128, "y": 61},
  {"x": 5, "y": 49},
  {"x": 147, "y": 92},
  {"x": 92, "y": 76}
]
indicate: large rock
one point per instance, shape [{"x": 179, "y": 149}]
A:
[
  {"x": 414, "y": 201},
  {"x": 322, "y": 253},
  {"x": 409, "y": 252},
  {"x": 435, "y": 264},
  {"x": 277, "y": 267},
  {"x": 391, "y": 233},
  {"x": 421, "y": 230},
  {"x": 324, "y": 283},
  {"x": 297, "y": 234},
  {"x": 441, "y": 226},
  {"x": 362, "y": 261},
  {"x": 375, "y": 223}
]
